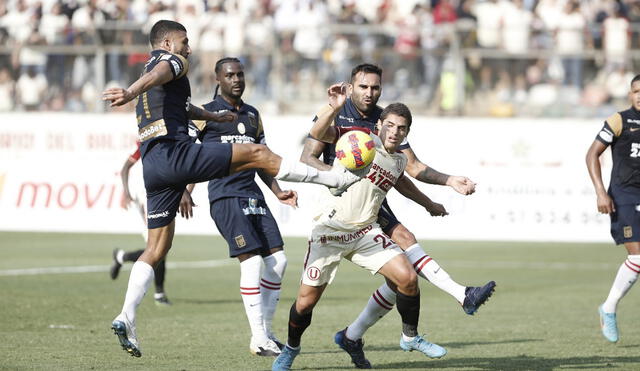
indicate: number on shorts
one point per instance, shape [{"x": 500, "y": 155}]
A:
[{"x": 383, "y": 239}]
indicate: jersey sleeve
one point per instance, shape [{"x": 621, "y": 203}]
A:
[
  {"x": 260, "y": 139},
  {"x": 179, "y": 64},
  {"x": 611, "y": 129}
]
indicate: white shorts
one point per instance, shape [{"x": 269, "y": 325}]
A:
[{"x": 368, "y": 248}]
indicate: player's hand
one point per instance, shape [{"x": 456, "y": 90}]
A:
[
  {"x": 337, "y": 95},
  {"x": 125, "y": 201},
  {"x": 186, "y": 205},
  {"x": 117, "y": 96},
  {"x": 461, "y": 184},
  {"x": 225, "y": 116},
  {"x": 436, "y": 209},
  {"x": 605, "y": 204},
  {"x": 288, "y": 197}
]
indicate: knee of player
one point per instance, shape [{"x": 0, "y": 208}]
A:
[
  {"x": 408, "y": 282},
  {"x": 403, "y": 237}
]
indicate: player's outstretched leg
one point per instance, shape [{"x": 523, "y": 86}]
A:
[
  {"x": 354, "y": 348},
  {"x": 608, "y": 325},
  {"x": 474, "y": 297},
  {"x": 116, "y": 264},
  {"x": 126, "y": 332},
  {"x": 421, "y": 344}
]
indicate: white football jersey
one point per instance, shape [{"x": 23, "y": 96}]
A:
[{"x": 359, "y": 205}]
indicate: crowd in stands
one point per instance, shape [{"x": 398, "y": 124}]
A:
[{"x": 441, "y": 56}]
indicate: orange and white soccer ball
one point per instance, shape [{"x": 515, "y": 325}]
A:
[{"x": 355, "y": 150}]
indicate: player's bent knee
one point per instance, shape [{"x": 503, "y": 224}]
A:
[{"x": 403, "y": 237}]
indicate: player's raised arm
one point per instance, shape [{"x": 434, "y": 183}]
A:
[
  {"x": 198, "y": 113},
  {"x": 159, "y": 75},
  {"x": 409, "y": 190},
  {"x": 424, "y": 173},
  {"x": 337, "y": 97}
]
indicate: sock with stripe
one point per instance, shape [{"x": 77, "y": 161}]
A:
[
  {"x": 139, "y": 281},
  {"x": 274, "y": 267},
  {"x": 429, "y": 269},
  {"x": 251, "y": 297},
  {"x": 626, "y": 277},
  {"x": 380, "y": 303}
]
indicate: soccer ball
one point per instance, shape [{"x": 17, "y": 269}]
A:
[{"x": 355, "y": 150}]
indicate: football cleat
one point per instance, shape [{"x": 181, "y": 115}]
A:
[
  {"x": 266, "y": 349},
  {"x": 353, "y": 348},
  {"x": 126, "y": 332},
  {"x": 162, "y": 300},
  {"x": 474, "y": 297},
  {"x": 285, "y": 359},
  {"x": 608, "y": 325},
  {"x": 422, "y": 345},
  {"x": 115, "y": 266},
  {"x": 273, "y": 338},
  {"x": 347, "y": 178}
]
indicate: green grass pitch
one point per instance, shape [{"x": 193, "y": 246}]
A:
[{"x": 543, "y": 315}]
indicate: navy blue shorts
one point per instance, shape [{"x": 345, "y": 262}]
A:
[
  {"x": 168, "y": 166},
  {"x": 247, "y": 224},
  {"x": 386, "y": 219},
  {"x": 625, "y": 224}
]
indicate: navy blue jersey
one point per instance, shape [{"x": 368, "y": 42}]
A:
[
  {"x": 162, "y": 111},
  {"x": 350, "y": 116},
  {"x": 622, "y": 132},
  {"x": 246, "y": 129}
]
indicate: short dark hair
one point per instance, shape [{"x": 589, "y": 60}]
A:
[
  {"x": 398, "y": 109},
  {"x": 224, "y": 60},
  {"x": 161, "y": 28},
  {"x": 635, "y": 78},
  {"x": 366, "y": 68}
]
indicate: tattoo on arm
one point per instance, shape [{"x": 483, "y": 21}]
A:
[{"x": 432, "y": 176}]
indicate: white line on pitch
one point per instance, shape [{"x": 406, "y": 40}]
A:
[{"x": 105, "y": 268}]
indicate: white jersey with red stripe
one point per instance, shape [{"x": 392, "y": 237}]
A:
[{"x": 359, "y": 205}]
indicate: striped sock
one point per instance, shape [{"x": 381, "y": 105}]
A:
[
  {"x": 626, "y": 277},
  {"x": 430, "y": 270},
  {"x": 274, "y": 267},
  {"x": 380, "y": 303},
  {"x": 251, "y": 297}
]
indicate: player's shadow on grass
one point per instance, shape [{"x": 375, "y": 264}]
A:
[
  {"x": 519, "y": 363},
  {"x": 454, "y": 345}
]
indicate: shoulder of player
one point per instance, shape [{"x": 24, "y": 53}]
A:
[
  {"x": 615, "y": 122},
  {"x": 178, "y": 63}
]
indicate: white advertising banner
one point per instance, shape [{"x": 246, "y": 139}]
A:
[{"x": 61, "y": 172}]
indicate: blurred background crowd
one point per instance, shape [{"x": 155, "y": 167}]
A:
[{"x": 549, "y": 58}]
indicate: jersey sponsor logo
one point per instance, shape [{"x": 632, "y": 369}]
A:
[
  {"x": 627, "y": 231},
  {"x": 240, "y": 241},
  {"x": 176, "y": 67},
  {"x": 241, "y": 128},
  {"x": 348, "y": 119},
  {"x": 156, "y": 215},
  {"x": 633, "y": 121},
  {"x": 633, "y": 129},
  {"x": 382, "y": 178},
  {"x": 253, "y": 208},
  {"x": 237, "y": 139},
  {"x": 346, "y": 238},
  {"x": 313, "y": 273},
  {"x": 152, "y": 130}
]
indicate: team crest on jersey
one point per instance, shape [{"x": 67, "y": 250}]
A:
[
  {"x": 240, "y": 241},
  {"x": 313, "y": 273},
  {"x": 627, "y": 231},
  {"x": 241, "y": 128}
]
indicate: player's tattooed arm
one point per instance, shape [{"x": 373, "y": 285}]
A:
[
  {"x": 311, "y": 154},
  {"x": 197, "y": 113},
  {"x": 424, "y": 173},
  {"x": 408, "y": 189}
]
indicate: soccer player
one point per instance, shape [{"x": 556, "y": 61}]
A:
[
  {"x": 240, "y": 212},
  {"x": 621, "y": 201},
  {"x": 120, "y": 256},
  {"x": 361, "y": 109},
  {"x": 347, "y": 228},
  {"x": 171, "y": 160}
]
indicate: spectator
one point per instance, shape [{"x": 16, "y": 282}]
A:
[
  {"x": 489, "y": 15},
  {"x": 616, "y": 40},
  {"x": 516, "y": 31},
  {"x": 30, "y": 89},
  {"x": 570, "y": 42},
  {"x": 7, "y": 90}
]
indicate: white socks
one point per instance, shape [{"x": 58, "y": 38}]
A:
[
  {"x": 429, "y": 269},
  {"x": 251, "y": 297},
  {"x": 139, "y": 281},
  {"x": 296, "y": 171},
  {"x": 274, "y": 267},
  {"x": 626, "y": 277},
  {"x": 380, "y": 303}
]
